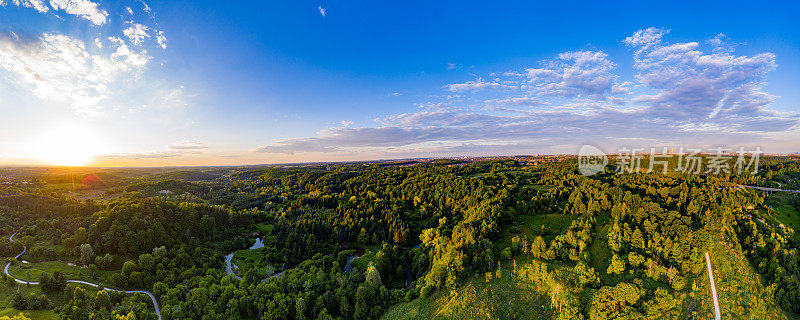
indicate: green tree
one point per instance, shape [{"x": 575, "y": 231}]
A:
[
  {"x": 617, "y": 265},
  {"x": 372, "y": 275},
  {"x": 87, "y": 254}
]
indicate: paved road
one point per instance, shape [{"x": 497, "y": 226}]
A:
[
  {"x": 24, "y": 249},
  {"x": 769, "y": 189},
  {"x": 717, "y": 315}
]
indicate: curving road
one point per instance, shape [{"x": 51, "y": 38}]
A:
[{"x": 24, "y": 249}]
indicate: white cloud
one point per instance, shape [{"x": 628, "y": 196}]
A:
[
  {"x": 38, "y": 5},
  {"x": 321, "y": 10},
  {"x": 679, "y": 95},
  {"x": 98, "y": 43},
  {"x": 136, "y": 33},
  {"x": 453, "y": 66},
  {"x": 697, "y": 87},
  {"x": 646, "y": 37},
  {"x": 145, "y": 7},
  {"x": 59, "y": 68},
  {"x": 471, "y": 133},
  {"x": 161, "y": 39},
  {"x": 129, "y": 10},
  {"x": 82, "y": 8},
  {"x": 574, "y": 73},
  {"x": 518, "y": 101},
  {"x": 478, "y": 84},
  {"x": 125, "y": 58},
  {"x": 175, "y": 150},
  {"x": 188, "y": 145},
  {"x": 158, "y": 154}
]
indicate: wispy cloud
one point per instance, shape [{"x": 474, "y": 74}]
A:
[
  {"x": 82, "y": 8},
  {"x": 171, "y": 151},
  {"x": 477, "y": 84},
  {"x": 145, "y": 7},
  {"x": 188, "y": 145},
  {"x": 59, "y": 68},
  {"x": 321, "y": 10},
  {"x": 697, "y": 87},
  {"x": 137, "y": 33},
  {"x": 161, "y": 39},
  {"x": 574, "y": 73},
  {"x": 680, "y": 93}
]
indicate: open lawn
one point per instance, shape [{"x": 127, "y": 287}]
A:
[
  {"x": 786, "y": 213},
  {"x": 33, "y": 271},
  {"x": 59, "y": 298},
  {"x": 531, "y": 226},
  {"x": 264, "y": 229},
  {"x": 32, "y": 314},
  {"x": 265, "y": 260},
  {"x": 503, "y": 297},
  {"x": 362, "y": 262},
  {"x": 599, "y": 252},
  {"x": 740, "y": 289}
]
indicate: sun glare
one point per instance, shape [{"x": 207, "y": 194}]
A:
[{"x": 67, "y": 146}]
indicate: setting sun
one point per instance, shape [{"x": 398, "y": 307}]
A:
[{"x": 67, "y": 146}]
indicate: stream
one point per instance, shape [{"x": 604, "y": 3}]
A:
[
  {"x": 229, "y": 266},
  {"x": 348, "y": 267}
]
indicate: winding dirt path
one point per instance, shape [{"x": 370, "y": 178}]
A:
[{"x": 25, "y": 249}]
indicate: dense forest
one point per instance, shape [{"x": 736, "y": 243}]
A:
[{"x": 491, "y": 239}]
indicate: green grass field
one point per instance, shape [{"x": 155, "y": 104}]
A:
[
  {"x": 740, "y": 288},
  {"x": 31, "y": 314},
  {"x": 362, "y": 262},
  {"x": 59, "y": 298},
  {"x": 264, "y": 229},
  {"x": 531, "y": 226},
  {"x": 786, "y": 213},
  {"x": 503, "y": 297},
  {"x": 33, "y": 271},
  {"x": 599, "y": 251},
  {"x": 264, "y": 260}
]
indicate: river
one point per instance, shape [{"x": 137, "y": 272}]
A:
[{"x": 229, "y": 266}]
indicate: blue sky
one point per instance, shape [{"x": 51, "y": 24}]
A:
[{"x": 177, "y": 83}]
